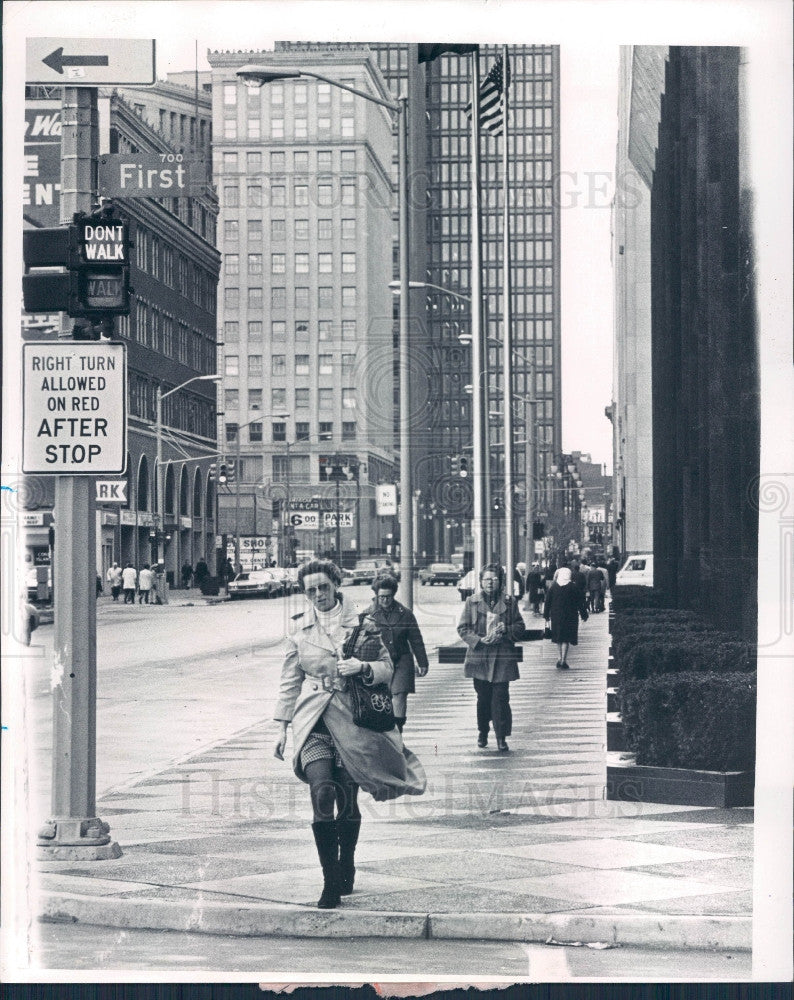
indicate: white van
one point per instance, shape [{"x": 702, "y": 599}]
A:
[{"x": 637, "y": 571}]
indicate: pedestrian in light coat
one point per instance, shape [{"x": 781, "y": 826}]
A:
[
  {"x": 145, "y": 582},
  {"x": 114, "y": 577},
  {"x": 490, "y": 624},
  {"x": 129, "y": 580},
  {"x": 403, "y": 640},
  {"x": 330, "y": 752}
]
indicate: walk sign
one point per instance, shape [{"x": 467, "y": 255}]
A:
[
  {"x": 74, "y": 404},
  {"x": 90, "y": 62}
]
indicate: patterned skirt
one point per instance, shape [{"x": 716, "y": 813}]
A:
[{"x": 320, "y": 745}]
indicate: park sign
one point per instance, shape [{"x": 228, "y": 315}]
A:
[
  {"x": 150, "y": 175},
  {"x": 74, "y": 404},
  {"x": 90, "y": 62}
]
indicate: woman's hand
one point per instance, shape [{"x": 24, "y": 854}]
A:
[
  {"x": 419, "y": 671},
  {"x": 281, "y": 743},
  {"x": 351, "y": 666}
]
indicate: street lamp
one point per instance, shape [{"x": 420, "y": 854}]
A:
[
  {"x": 159, "y": 481},
  {"x": 254, "y": 76}
]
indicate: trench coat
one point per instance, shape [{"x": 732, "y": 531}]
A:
[
  {"x": 311, "y": 687},
  {"x": 564, "y": 606},
  {"x": 403, "y": 640},
  {"x": 495, "y": 662}
]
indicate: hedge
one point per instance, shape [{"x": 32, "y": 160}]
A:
[
  {"x": 623, "y": 644},
  {"x": 694, "y": 654},
  {"x": 634, "y": 620},
  {"x": 703, "y": 721}
]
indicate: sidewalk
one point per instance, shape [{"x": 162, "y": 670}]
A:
[{"x": 520, "y": 846}]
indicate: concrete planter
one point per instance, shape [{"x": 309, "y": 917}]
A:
[
  {"x": 630, "y": 782},
  {"x": 616, "y": 739}
]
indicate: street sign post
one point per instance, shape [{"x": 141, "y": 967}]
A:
[
  {"x": 74, "y": 405},
  {"x": 150, "y": 175},
  {"x": 90, "y": 62}
]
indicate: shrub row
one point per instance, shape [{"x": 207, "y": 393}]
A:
[
  {"x": 636, "y": 597},
  {"x": 622, "y": 645},
  {"x": 704, "y": 721}
]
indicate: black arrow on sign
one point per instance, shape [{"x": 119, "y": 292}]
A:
[{"x": 57, "y": 60}]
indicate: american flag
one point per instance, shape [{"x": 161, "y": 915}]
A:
[{"x": 491, "y": 113}]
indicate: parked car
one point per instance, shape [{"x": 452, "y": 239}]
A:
[
  {"x": 29, "y": 620},
  {"x": 255, "y": 583},
  {"x": 446, "y": 573},
  {"x": 467, "y": 584},
  {"x": 637, "y": 571},
  {"x": 288, "y": 576},
  {"x": 365, "y": 569},
  {"x": 32, "y": 584}
]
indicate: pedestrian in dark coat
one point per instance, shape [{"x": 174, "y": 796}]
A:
[
  {"x": 490, "y": 624},
  {"x": 535, "y": 587},
  {"x": 401, "y": 637},
  {"x": 565, "y": 604}
]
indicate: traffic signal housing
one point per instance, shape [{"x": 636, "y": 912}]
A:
[
  {"x": 222, "y": 476},
  {"x": 463, "y": 466}
]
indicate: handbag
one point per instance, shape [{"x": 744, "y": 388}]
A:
[
  {"x": 372, "y": 703},
  {"x": 547, "y": 632}
]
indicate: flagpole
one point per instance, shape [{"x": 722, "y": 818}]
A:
[
  {"x": 478, "y": 368},
  {"x": 507, "y": 335}
]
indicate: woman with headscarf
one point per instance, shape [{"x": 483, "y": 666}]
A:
[
  {"x": 490, "y": 624},
  {"x": 565, "y": 604}
]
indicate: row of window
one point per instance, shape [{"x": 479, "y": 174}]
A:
[
  {"x": 181, "y": 411},
  {"x": 324, "y": 397},
  {"x": 303, "y": 431},
  {"x": 301, "y": 365},
  {"x": 278, "y": 297},
  {"x": 323, "y": 158},
  {"x": 520, "y": 91},
  {"x": 274, "y": 94},
  {"x": 167, "y": 336},
  {"x": 298, "y": 128},
  {"x": 278, "y": 263},
  {"x": 529, "y": 63},
  {"x": 325, "y": 330},
  {"x": 155, "y": 257},
  {"x": 261, "y": 193},
  {"x": 346, "y": 230}
]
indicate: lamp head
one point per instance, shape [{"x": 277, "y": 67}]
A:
[{"x": 255, "y": 76}]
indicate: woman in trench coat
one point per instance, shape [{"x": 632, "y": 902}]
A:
[
  {"x": 490, "y": 624},
  {"x": 333, "y": 755},
  {"x": 565, "y": 604}
]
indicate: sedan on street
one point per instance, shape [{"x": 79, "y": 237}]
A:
[
  {"x": 446, "y": 573},
  {"x": 255, "y": 583}
]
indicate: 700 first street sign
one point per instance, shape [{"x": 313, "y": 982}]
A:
[{"x": 90, "y": 62}]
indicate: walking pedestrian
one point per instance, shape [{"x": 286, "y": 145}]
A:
[
  {"x": 400, "y": 633},
  {"x": 535, "y": 588},
  {"x": 548, "y": 576},
  {"x": 602, "y": 592},
  {"x": 187, "y": 574},
  {"x": 114, "y": 575},
  {"x": 330, "y": 752},
  {"x": 612, "y": 571},
  {"x": 145, "y": 581},
  {"x": 98, "y": 585},
  {"x": 129, "y": 580},
  {"x": 594, "y": 581},
  {"x": 202, "y": 572},
  {"x": 565, "y": 604},
  {"x": 490, "y": 623}
]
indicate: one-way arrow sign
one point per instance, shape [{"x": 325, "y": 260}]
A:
[
  {"x": 90, "y": 62},
  {"x": 57, "y": 60}
]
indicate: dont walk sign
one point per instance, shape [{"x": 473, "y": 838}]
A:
[{"x": 74, "y": 408}]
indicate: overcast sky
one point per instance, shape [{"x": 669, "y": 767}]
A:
[{"x": 589, "y": 32}]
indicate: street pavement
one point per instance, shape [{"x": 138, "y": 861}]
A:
[{"x": 506, "y": 847}]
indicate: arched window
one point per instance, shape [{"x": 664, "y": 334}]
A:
[{"x": 142, "y": 496}]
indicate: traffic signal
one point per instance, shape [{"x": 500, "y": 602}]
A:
[
  {"x": 222, "y": 478},
  {"x": 463, "y": 466},
  {"x": 95, "y": 252},
  {"x": 538, "y": 531},
  {"x": 231, "y": 470},
  {"x": 213, "y": 471}
]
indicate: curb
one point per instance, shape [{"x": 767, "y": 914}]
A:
[{"x": 719, "y": 933}]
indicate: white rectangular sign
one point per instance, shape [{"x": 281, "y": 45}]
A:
[
  {"x": 305, "y": 520},
  {"x": 386, "y": 500},
  {"x": 111, "y": 490},
  {"x": 74, "y": 408},
  {"x": 90, "y": 62},
  {"x": 345, "y": 519}
]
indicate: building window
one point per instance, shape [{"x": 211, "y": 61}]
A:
[
  {"x": 300, "y": 162},
  {"x": 326, "y": 430},
  {"x": 348, "y": 263},
  {"x": 348, "y": 430},
  {"x": 348, "y": 161},
  {"x": 231, "y": 365},
  {"x": 279, "y": 431},
  {"x": 231, "y": 399},
  {"x": 254, "y": 128},
  {"x": 325, "y": 364},
  {"x": 255, "y": 300},
  {"x": 254, "y": 399},
  {"x": 255, "y": 195},
  {"x": 347, "y": 97},
  {"x": 348, "y": 329},
  {"x": 301, "y": 399},
  {"x": 301, "y": 431},
  {"x": 300, "y": 93},
  {"x": 301, "y": 297},
  {"x": 301, "y": 364},
  {"x": 348, "y": 194},
  {"x": 348, "y": 229},
  {"x": 254, "y": 263},
  {"x": 348, "y": 399},
  {"x": 254, "y": 229},
  {"x": 324, "y": 329},
  {"x": 276, "y": 128},
  {"x": 278, "y": 230},
  {"x": 255, "y": 329},
  {"x": 230, "y": 128},
  {"x": 278, "y": 399},
  {"x": 229, "y": 94},
  {"x": 230, "y": 162},
  {"x": 348, "y": 364},
  {"x": 231, "y": 298},
  {"x": 301, "y": 195},
  {"x": 253, "y": 162},
  {"x": 254, "y": 364},
  {"x": 278, "y": 263},
  {"x": 325, "y": 399},
  {"x": 323, "y": 93},
  {"x": 278, "y": 329},
  {"x": 301, "y": 329},
  {"x": 231, "y": 331},
  {"x": 278, "y": 196},
  {"x": 325, "y": 229},
  {"x": 255, "y": 432},
  {"x": 279, "y": 363},
  {"x": 301, "y": 263},
  {"x": 325, "y": 296},
  {"x": 231, "y": 196},
  {"x": 324, "y": 161},
  {"x": 323, "y": 124},
  {"x": 325, "y": 263},
  {"x": 278, "y": 162},
  {"x": 231, "y": 264},
  {"x": 348, "y": 296},
  {"x": 301, "y": 128},
  {"x": 231, "y": 230},
  {"x": 348, "y": 128},
  {"x": 278, "y": 298},
  {"x": 276, "y": 93},
  {"x": 301, "y": 229},
  {"x": 325, "y": 194},
  {"x": 231, "y": 433}
]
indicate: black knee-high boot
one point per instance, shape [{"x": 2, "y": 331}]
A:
[
  {"x": 325, "y": 837},
  {"x": 348, "y": 830},
  {"x": 399, "y": 721}
]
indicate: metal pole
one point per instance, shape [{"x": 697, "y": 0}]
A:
[
  {"x": 159, "y": 485},
  {"x": 478, "y": 410},
  {"x": 337, "y": 478},
  {"x": 406, "y": 522},
  {"x": 73, "y": 831},
  {"x": 237, "y": 500},
  {"x": 507, "y": 341}
]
